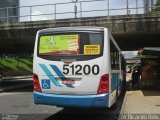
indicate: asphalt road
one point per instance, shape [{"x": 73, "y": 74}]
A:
[{"x": 19, "y": 105}]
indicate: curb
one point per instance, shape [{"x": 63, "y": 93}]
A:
[
  {"x": 13, "y": 78},
  {"x": 123, "y": 106},
  {"x": 14, "y": 88}
]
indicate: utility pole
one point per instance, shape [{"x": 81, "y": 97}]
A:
[
  {"x": 127, "y": 8},
  {"x": 75, "y": 7}
]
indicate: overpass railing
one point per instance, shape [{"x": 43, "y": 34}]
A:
[{"x": 75, "y": 9}]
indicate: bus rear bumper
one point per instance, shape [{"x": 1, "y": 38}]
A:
[{"x": 101, "y": 100}]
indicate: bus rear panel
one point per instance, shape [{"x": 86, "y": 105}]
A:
[{"x": 72, "y": 67}]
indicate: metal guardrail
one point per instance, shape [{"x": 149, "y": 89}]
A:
[{"x": 77, "y": 12}]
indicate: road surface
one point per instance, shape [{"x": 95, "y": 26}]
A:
[{"x": 19, "y": 104}]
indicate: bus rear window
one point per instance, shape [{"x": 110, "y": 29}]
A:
[
  {"x": 70, "y": 44},
  {"x": 59, "y": 44}
]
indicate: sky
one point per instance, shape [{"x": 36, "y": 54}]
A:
[
  {"x": 129, "y": 54},
  {"x": 50, "y": 9},
  {"x": 97, "y": 5}
]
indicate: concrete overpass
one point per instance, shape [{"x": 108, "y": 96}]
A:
[{"x": 131, "y": 32}]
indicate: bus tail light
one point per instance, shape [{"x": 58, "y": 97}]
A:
[
  {"x": 36, "y": 84},
  {"x": 104, "y": 84}
]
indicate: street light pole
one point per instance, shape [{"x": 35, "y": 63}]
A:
[{"x": 75, "y": 7}]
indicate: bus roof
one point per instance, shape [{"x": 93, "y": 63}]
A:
[{"x": 77, "y": 28}]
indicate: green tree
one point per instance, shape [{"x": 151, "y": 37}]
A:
[{"x": 157, "y": 6}]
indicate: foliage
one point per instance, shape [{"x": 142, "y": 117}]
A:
[
  {"x": 157, "y": 6},
  {"x": 15, "y": 67}
]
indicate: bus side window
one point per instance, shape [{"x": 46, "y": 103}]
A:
[{"x": 114, "y": 56}]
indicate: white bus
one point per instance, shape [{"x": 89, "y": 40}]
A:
[{"x": 76, "y": 67}]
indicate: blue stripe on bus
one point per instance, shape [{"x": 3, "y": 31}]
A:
[
  {"x": 60, "y": 74},
  {"x": 51, "y": 77},
  {"x": 114, "y": 81}
]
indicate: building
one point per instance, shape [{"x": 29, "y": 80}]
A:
[{"x": 9, "y": 11}]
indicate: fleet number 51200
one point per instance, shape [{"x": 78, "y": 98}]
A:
[{"x": 79, "y": 69}]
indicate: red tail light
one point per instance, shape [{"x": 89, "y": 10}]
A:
[
  {"x": 36, "y": 84},
  {"x": 104, "y": 84}
]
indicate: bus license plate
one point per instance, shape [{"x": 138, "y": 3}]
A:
[{"x": 68, "y": 82}]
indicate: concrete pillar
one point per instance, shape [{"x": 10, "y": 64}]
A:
[
  {"x": 146, "y": 6},
  {"x": 152, "y": 3}
]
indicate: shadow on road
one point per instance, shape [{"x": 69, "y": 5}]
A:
[
  {"x": 84, "y": 114},
  {"x": 89, "y": 114},
  {"x": 17, "y": 85},
  {"x": 25, "y": 89},
  {"x": 151, "y": 92}
]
